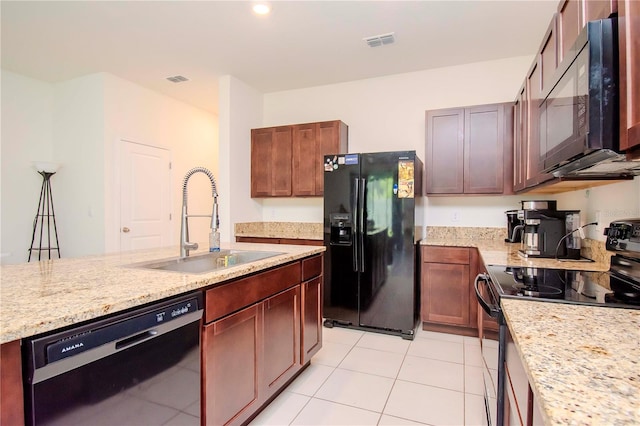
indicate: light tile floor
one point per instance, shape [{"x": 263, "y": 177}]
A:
[{"x": 363, "y": 378}]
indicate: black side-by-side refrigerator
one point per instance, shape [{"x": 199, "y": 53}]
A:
[{"x": 371, "y": 232}]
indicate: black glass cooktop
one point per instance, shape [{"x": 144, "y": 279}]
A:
[{"x": 567, "y": 286}]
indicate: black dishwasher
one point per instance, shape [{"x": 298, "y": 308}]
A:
[{"x": 137, "y": 368}]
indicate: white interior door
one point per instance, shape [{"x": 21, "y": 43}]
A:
[{"x": 145, "y": 205}]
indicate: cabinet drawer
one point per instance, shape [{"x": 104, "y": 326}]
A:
[
  {"x": 435, "y": 254},
  {"x": 228, "y": 298},
  {"x": 311, "y": 267}
]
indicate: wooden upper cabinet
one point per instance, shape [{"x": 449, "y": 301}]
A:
[
  {"x": 569, "y": 24},
  {"x": 445, "y": 151},
  {"x": 311, "y": 142},
  {"x": 271, "y": 162},
  {"x": 573, "y": 15},
  {"x": 331, "y": 138},
  {"x": 598, "y": 9},
  {"x": 288, "y": 160},
  {"x": 484, "y": 149},
  {"x": 304, "y": 159},
  {"x": 520, "y": 123},
  {"x": 549, "y": 55},
  {"x": 629, "y": 39},
  {"x": 469, "y": 150}
]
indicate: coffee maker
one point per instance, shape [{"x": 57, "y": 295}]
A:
[{"x": 549, "y": 233}]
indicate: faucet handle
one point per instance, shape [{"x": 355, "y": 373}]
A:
[{"x": 191, "y": 246}]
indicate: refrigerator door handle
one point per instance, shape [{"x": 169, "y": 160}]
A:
[
  {"x": 362, "y": 229},
  {"x": 355, "y": 208}
]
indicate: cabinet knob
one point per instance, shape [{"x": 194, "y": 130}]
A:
[{"x": 125, "y": 229}]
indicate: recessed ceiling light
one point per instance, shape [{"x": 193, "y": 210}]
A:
[{"x": 261, "y": 8}]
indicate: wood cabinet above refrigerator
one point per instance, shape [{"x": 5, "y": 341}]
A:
[{"x": 287, "y": 161}]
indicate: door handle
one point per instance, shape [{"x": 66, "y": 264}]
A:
[{"x": 125, "y": 229}]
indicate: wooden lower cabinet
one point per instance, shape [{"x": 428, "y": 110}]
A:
[
  {"x": 259, "y": 333},
  {"x": 445, "y": 296},
  {"x": 521, "y": 408},
  {"x": 11, "y": 394},
  {"x": 282, "y": 332},
  {"x": 230, "y": 365},
  {"x": 448, "y": 300},
  {"x": 311, "y": 318}
]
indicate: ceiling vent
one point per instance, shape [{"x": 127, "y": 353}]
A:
[
  {"x": 177, "y": 79},
  {"x": 379, "y": 40}
]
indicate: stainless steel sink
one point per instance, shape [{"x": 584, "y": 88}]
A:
[{"x": 207, "y": 262}]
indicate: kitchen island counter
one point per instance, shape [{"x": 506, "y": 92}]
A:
[
  {"x": 581, "y": 361},
  {"x": 43, "y": 296}
]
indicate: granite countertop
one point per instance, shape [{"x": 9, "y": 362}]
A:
[
  {"x": 42, "y": 296},
  {"x": 497, "y": 252},
  {"x": 581, "y": 361},
  {"x": 291, "y": 230}
]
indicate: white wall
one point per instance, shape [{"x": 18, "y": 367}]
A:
[
  {"x": 80, "y": 123},
  {"x": 388, "y": 113},
  {"x": 26, "y": 135},
  {"x": 603, "y": 204},
  {"x": 78, "y": 143},
  {"x": 240, "y": 111},
  {"x": 139, "y": 115}
]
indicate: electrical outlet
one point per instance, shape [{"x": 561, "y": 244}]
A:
[
  {"x": 599, "y": 226},
  {"x": 455, "y": 217}
]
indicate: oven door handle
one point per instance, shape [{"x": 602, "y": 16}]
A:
[{"x": 492, "y": 310}]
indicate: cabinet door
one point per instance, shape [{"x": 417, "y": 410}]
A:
[
  {"x": 517, "y": 384},
  {"x": 331, "y": 138},
  {"x": 548, "y": 56},
  {"x": 281, "y": 339},
  {"x": 445, "y": 293},
  {"x": 569, "y": 25},
  {"x": 597, "y": 9},
  {"x": 304, "y": 159},
  {"x": 629, "y": 38},
  {"x": 231, "y": 364},
  {"x": 261, "y": 167},
  {"x": 533, "y": 169},
  {"x": 11, "y": 395},
  {"x": 281, "y": 151},
  {"x": 520, "y": 139},
  {"x": 484, "y": 150},
  {"x": 311, "y": 318},
  {"x": 445, "y": 151},
  {"x": 271, "y": 162}
]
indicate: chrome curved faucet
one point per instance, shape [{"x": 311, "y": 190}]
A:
[{"x": 185, "y": 245}]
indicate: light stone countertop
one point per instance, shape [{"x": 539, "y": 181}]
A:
[
  {"x": 292, "y": 230},
  {"x": 582, "y": 361},
  {"x": 497, "y": 252},
  {"x": 43, "y": 296}
]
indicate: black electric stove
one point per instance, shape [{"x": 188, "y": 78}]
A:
[{"x": 618, "y": 287}]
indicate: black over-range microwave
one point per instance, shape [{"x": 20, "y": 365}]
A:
[{"x": 579, "y": 117}]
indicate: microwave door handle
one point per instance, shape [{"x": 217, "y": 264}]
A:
[{"x": 492, "y": 310}]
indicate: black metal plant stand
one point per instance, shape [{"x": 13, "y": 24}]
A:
[{"x": 45, "y": 210}]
